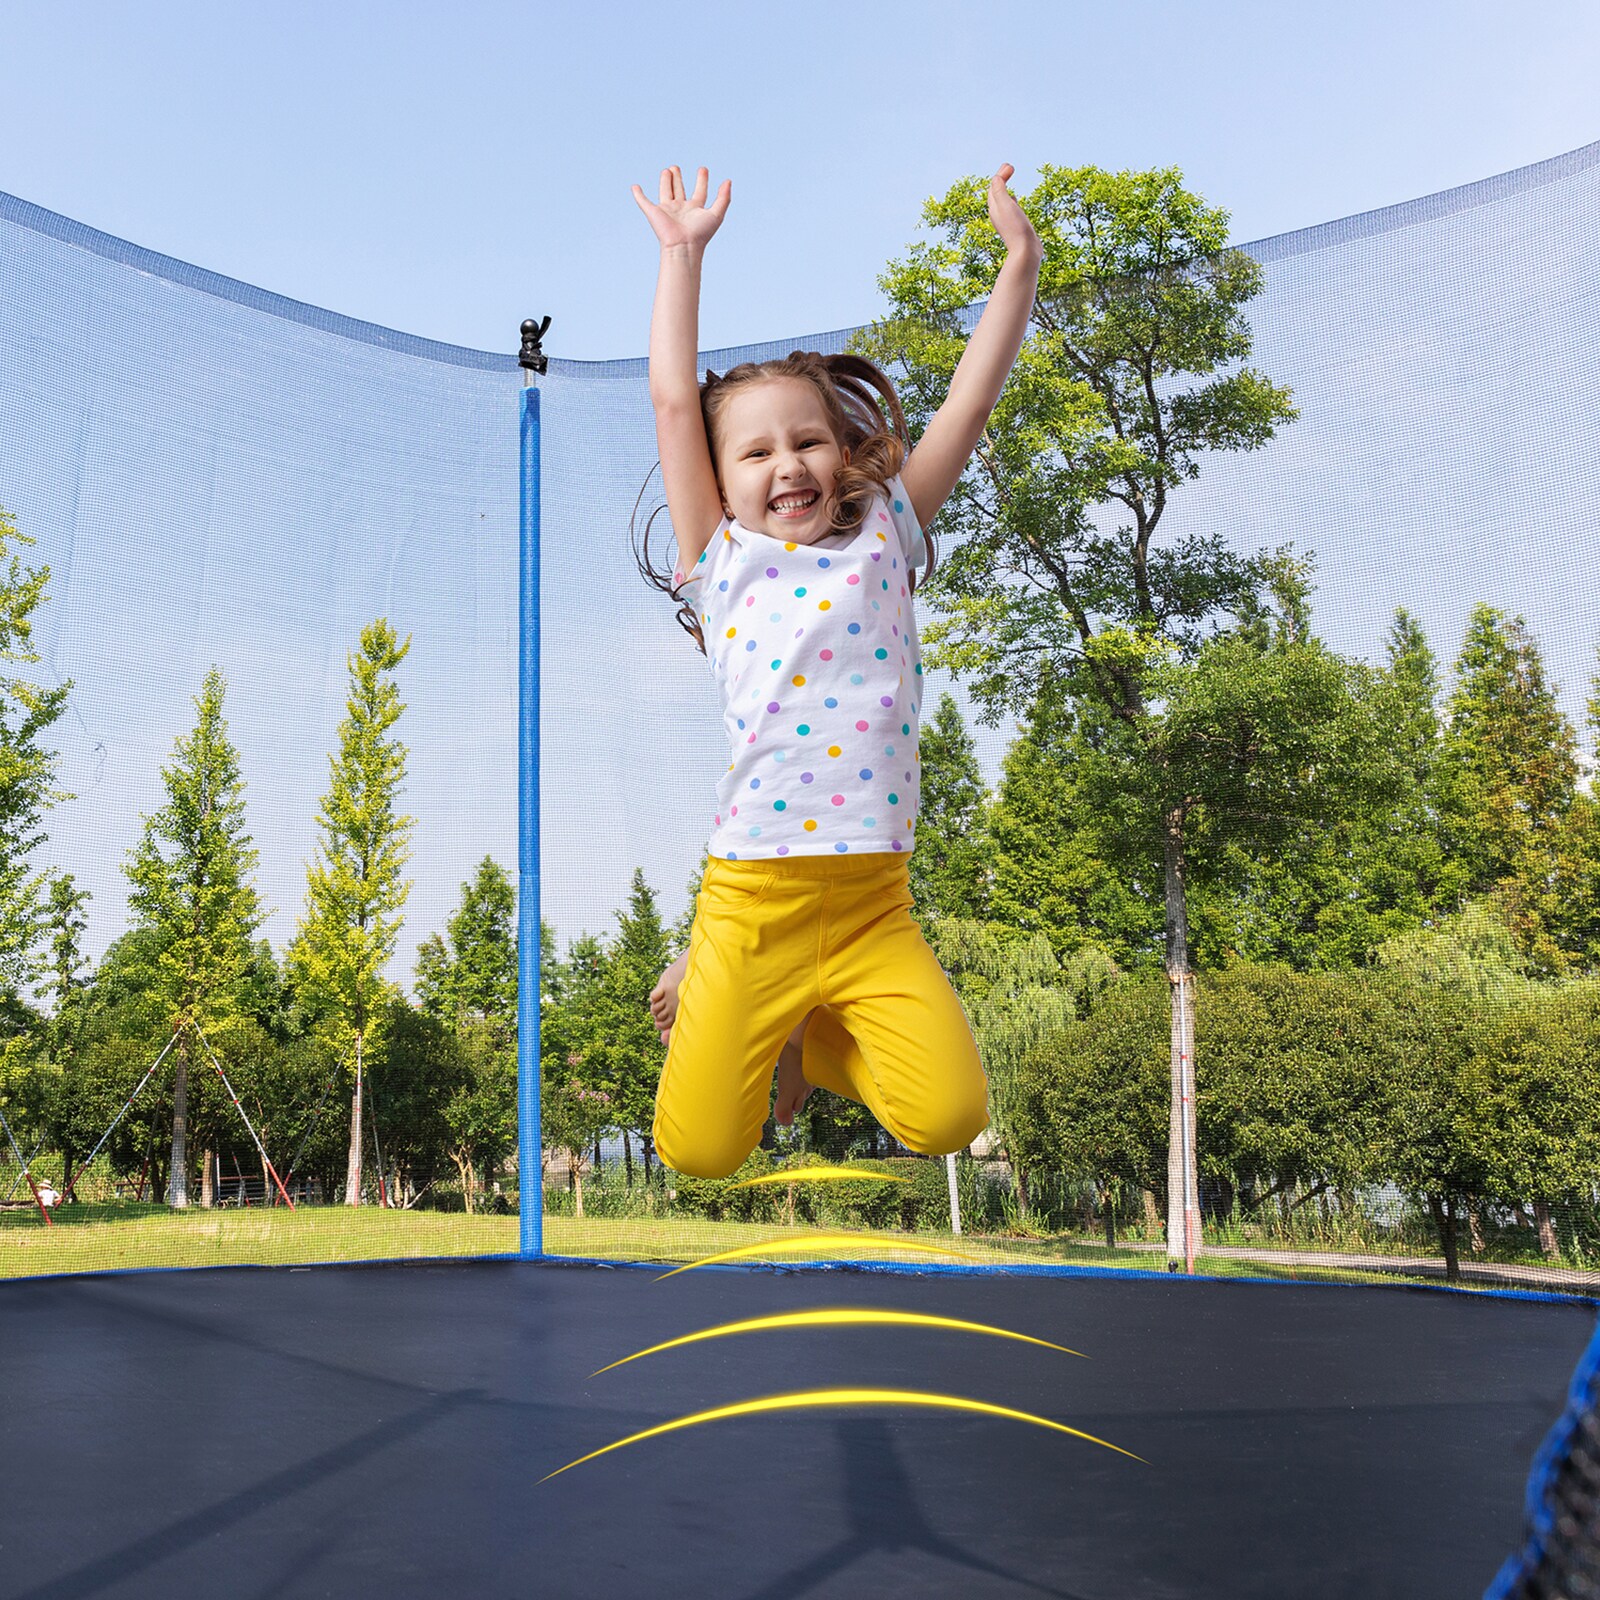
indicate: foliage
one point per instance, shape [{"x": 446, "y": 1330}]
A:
[
  {"x": 355, "y": 888},
  {"x": 1138, "y": 293},
  {"x": 950, "y": 866},
  {"x": 1049, "y": 872},
  {"x": 471, "y": 974},
  {"x": 27, "y": 768},
  {"x": 190, "y": 877},
  {"x": 1509, "y": 773}
]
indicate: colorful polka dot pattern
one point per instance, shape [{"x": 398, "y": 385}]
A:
[{"x": 815, "y": 653}]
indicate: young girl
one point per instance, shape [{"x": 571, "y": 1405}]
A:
[{"x": 798, "y": 513}]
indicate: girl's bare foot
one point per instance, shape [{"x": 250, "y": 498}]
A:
[
  {"x": 664, "y": 997},
  {"x": 793, "y": 1090}
]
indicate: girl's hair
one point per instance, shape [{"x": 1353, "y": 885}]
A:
[{"x": 855, "y": 396}]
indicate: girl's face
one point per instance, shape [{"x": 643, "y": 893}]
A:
[{"x": 776, "y": 458}]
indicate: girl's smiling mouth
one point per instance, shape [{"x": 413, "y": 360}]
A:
[{"x": 794, "y": 504}]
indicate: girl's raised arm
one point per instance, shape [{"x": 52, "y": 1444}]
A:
[
  {"x": 684, "y": 224},
  {"x": 950, "y": 438}
]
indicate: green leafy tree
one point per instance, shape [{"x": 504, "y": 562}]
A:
[
  {"x": 1239, "y": 755},
  {"x": 356, "y": 888},
  {"x": 1135, "y": 369},
  {"x": 1049, "y": 872},
  {"x": 1510, "y": 772},
  {"x": 63, "y": 986},
  {"x": 625, "y": 1054},
  {"x": 467, "y": 981},
  {"x": 584, "y": 1069},
  {"x": 949, "y": 867},
  {"x": 1090, "y": 1097},
  {"x": 471, "y": 974},
  {"x": 27, "y": 766},
  {"x": 191, "y": 892},
  {"x": 1016, "y": 994},
  {"x": 1331, "y": 888}
]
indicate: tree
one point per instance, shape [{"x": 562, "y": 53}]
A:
[
  {"x": 1048, "y": 871},
  {"x": 1138, "y": 293},
  {"x": 473, "y": 976},
  {"x": 27, "y": 768},
  {"x": 1331, "y": 889},
  {"x": 625, "y": 1054},
  {"x": 354, "y": 888},
  {"x": 1016, "y": 994},
  {"x": 1232, "y": 765},
  {"x": 949, "y": 867},
  {"x": 191, "y": 890},
  {"x": 1089, "y": 1096},
  {"x": 467, "y": 983},
  {"x": 1510, "y": 769},
  {"x": 65, "y": 925}
]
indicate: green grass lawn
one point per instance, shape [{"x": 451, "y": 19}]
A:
[{"x": 98, "y": 1238}]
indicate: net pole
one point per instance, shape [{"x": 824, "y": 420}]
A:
[
  {"x": 44, "y": 1210},
  {"x": 530, "y": 1158},
  {"x": 244, "y": 1117},
  {"x": 83, "y": 1166}
]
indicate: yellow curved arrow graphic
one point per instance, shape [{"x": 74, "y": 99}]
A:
[
  {"x": 816, "y": 1243},
  {"x": 818, "y": 1398},
  {"x": 834, "y": 1319},
  {"x": 821, "y": 1175}
]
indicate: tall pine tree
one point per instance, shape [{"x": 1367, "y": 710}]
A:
[
  {"x": 1510, "y": 772},
  {"x": 470, "y": 975},
  {"x": 949, "y": 867},
  {"x": 628, "y": 1054},
  {"x": 192, "y": 893},
  {"x": 355, "y": 888}
]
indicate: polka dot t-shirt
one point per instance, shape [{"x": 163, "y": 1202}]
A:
[{"x": 815, "y": 654}]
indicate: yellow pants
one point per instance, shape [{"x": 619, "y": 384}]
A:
[{"x": 774, "y": 939}]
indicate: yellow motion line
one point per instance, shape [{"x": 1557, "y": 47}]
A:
[
  {"x": 823, "y": 1398},
  {"x": 833, "y": 1319},
  {"x": 815, "y": 1243},
  {"x": 821, "y": 1175}
]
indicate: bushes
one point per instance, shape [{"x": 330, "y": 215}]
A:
[{"x": 1332, "y": 1084}]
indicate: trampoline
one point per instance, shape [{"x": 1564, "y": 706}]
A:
[
  {"x": 265, "y": 477},
  {"x": 385, "y": 1430}
]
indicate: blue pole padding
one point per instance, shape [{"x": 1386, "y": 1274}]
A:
[{"x": 530, "y": 1159}]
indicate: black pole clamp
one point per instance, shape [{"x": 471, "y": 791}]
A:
[{"x": 531, "y": 358}]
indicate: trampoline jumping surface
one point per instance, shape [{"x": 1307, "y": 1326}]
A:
[{"x": 384, "y": 1431}]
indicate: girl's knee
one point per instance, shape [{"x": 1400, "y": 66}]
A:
[
  {"x": 949, "y": 1125},
  {"x": 701, "y": 1155}
]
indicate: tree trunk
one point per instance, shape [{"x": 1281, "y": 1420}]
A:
[
  {"x": 208, "y": 1187},
  {"x": 1444, "y": 1219},
  {"x": 1183, "y": 1187},
  {"x": 1108, "y": 1212},
  {"x": 627, "y": 1159},
  {"x": 352, "y": 1171},
  {"x": 178, "y": 1172},
  {"x": 1547, "y": 1231},
  {"x": 1475, "y": 1230},
  {"x": 464, "y": 1169},
  {"x": 1020, "y": 1178},
  {"x": 646, "y": 1147},
  {"x": 1152, "y": 1213},
  {"x": 575, "y": 1174}
]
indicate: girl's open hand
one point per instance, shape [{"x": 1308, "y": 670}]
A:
[
  {"x": 685, "y": 219},
  {"x": 1009, "y": 219}
]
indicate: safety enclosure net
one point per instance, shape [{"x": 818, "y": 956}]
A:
[{"x": 259, "y": 884}]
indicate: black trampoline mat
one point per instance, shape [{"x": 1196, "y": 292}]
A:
[{"x": 381, "y": 1431}]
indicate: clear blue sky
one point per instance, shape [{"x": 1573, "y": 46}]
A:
[{"x": 446, "y": 169}]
